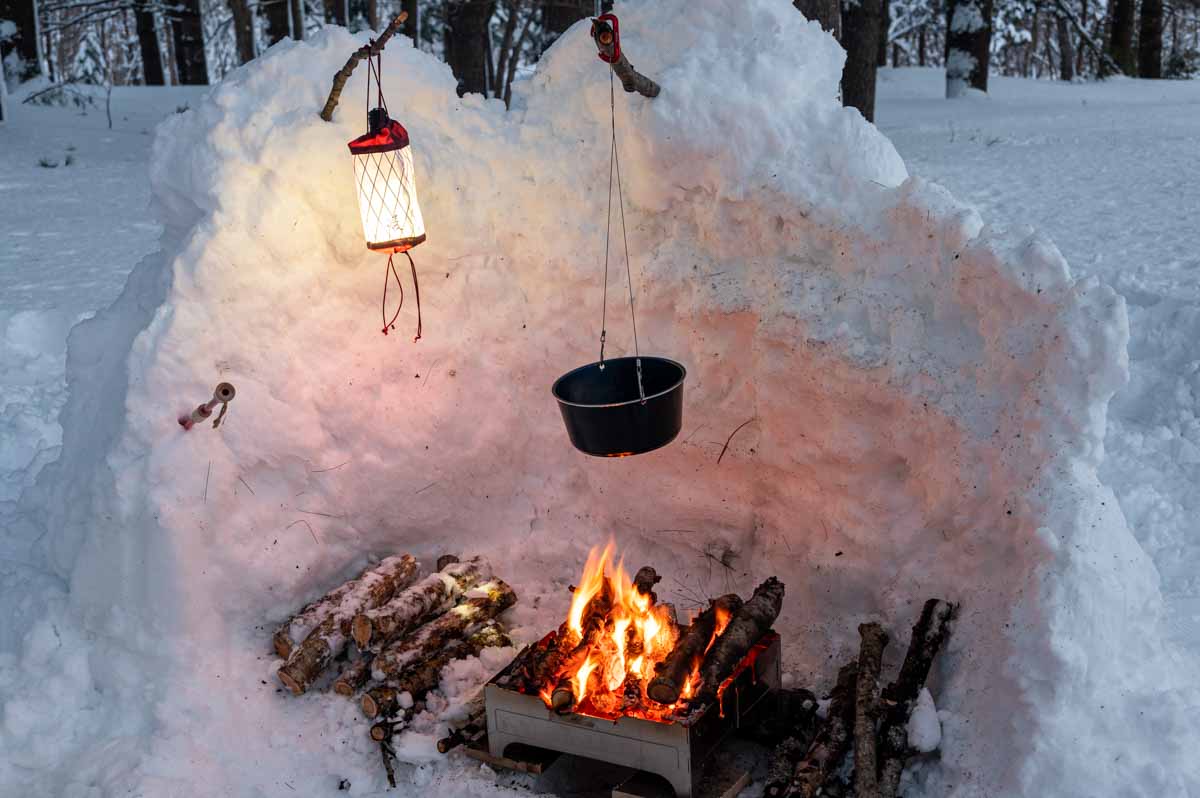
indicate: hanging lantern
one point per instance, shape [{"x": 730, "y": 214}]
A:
[{"x": 387, "y": 187}]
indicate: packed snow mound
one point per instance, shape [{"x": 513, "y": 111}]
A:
[{"x": 926, "y": 398}]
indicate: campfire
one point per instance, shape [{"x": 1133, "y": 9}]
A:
[{"x": 612, "y": 657}]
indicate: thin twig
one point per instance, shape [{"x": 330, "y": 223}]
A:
[
  {"x": 427, "y": 487},
  {"x": 730, "y": 438},
  {"x": 323, "y": 515},
  {"x": 311, "y": 531},
  {"x": 334, "y": 468},
  {"x": 247, "y": 484},
  {"x": 206, "y": 476}
]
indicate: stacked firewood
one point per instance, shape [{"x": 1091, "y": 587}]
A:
[
  {"x": 393, "y": 632},
  {"x": 808, "y": 756}
]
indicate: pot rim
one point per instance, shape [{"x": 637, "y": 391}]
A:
[{"x": 635, "y": 400}]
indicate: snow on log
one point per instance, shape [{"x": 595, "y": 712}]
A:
[
  {"x": 423, "y": 676},
  {"x": 672, "y": 672},
  {"x": 752, "y": 620},
  {"x": 354, "y": 675},
  {"x": 866, "y": 709},
  {"x": 401, "y": 570},
  {"x": 900, "y": 697},
  {"x": 484, "y": 602},
  {"x": 436, "y": 593},
  {"x": 830, "y": 745},
  {"x": 328, "y": 639}
]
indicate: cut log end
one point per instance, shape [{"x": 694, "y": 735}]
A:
[
  {"x": 664, "y": 690},
  {"x": 290, "y": 682}
]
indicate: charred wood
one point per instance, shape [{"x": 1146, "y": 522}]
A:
[
  {"x": 829, "y": 747},
  {"x": 751, "y": 621},
  {"x": 671, "y": 674}
]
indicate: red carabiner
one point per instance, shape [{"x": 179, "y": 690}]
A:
[{"x": 616, "y": 29}]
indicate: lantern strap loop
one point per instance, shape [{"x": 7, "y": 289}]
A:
[
  {"x": 614, "y": 167},
  {"x": 390, "y": 271}
]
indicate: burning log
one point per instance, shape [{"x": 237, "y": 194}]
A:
[
  {"x": 327, "y": 639},
  {"x": 645, "y": 580},
  {"x": 866, "y": 709},
  {"x": 593, "y": 622},
  {"x": 354, "y": 676},
  {"x": 436, "y": 593},
  {"x": 901, "y": 695},
  {"x": 429, "y": 639},
  {"x": 830, "y": 745},
  {"x": 396, "y": 574},
  {"x": 751, "y": 621},
  {"x": 672, "y": 673},
  {"x": 423, "y": 676}
]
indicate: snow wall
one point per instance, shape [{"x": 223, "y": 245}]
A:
[{"x": 928, "y": 398}]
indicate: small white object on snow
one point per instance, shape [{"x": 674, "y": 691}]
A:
[{"x": 924, "y": 728}]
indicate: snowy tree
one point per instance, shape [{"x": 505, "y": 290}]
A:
[
  {"x": 91, "y": 63},
  {"x": 968, "y": 45},
  {"x": 19, "y": 46}
]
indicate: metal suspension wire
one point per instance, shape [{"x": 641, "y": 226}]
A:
[{"x": 614, "y": 166}]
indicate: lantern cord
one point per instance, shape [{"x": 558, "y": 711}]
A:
[
  {"x": 375, "y": 70},
  {"x": 391, "y": 272},
  {"x": 614, "y": 166}
]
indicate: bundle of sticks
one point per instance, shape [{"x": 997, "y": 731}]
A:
[
  {"x": 808, "y": 754},
  {"x": 393, "y": 631}
]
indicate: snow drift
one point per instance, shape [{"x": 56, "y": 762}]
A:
[{"x": 927, "y": 398}]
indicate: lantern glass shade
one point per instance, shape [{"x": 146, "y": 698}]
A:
[{"x": 387, "y": 189}]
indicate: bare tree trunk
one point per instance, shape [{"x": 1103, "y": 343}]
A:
[
  {"x": 826, "y": 13},
  {"x": 466, "y": 35},
  {"x": 860, "y": 37},
  {"x": 558, "y": 15},
  {"x": 1083, "y": 11},
  {"x": 885, "y": 28},
  {"x": 297, "y": 9},
  {"x": 968, "y": 45},
  {"x": 1035, "y": 37},
  {"x": 277, "y": 26},
  {"x": 506, "y": 47},
  {"x": 372, "y": 14},
  {"x": 243, "y": 29},
  {"x": 22, "y": 13},
  {"x": 335, "y": 12},
  {"x": 188, "y": 33},
  {"x": 516, "y": 58},
  {"x": 1120, "y": 41},
  {"x": 412, "y": 25},
  {"x": 1150, "y": 40},
  {"x": 1066, "y": 48},
  {"x": 147, "y": 33},
  {"x": 921, "y": 46}
]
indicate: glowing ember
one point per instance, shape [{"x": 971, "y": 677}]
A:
[{"x": 614, "y": 636}]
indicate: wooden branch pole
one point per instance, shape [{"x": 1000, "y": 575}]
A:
[
  {"x": 671, "y": 674},
  {"x": 752, "y": 620},
  {"x": 369, "y": 50},
  {"x": 866, "y": 709},
  {"x": 375, "y": 628},
  {"x": 608, "y": 43},
  {"x": 900, "y": 696},
  {"x": 402, "y": 572},
  {"x": 328, "y": 638}
]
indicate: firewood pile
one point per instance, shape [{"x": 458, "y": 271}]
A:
[
  {"x": 391, "y": 632},
  {"x": 809, "y": 753}
]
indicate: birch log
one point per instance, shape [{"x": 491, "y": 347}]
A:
[
  {"x": 407, "y": 652},
  {"x": 374, "y": 628},
  {"x": 328, "y": 639},
  {"x": 423, "y": 676},
  {"x": 866, "y": 709},
  {"x": 825, "y": 755},
  {"x": 401, "y": 570}
]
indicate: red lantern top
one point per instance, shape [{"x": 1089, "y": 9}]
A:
[{"x": 389, "y": 137}]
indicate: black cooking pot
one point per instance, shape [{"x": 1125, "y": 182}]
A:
[{"x": 605, "y": 413}]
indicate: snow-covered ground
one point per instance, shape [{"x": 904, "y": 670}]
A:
[
  {"x": 1108, "y": 171},
  {"x": 1102, "y": 169}
]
